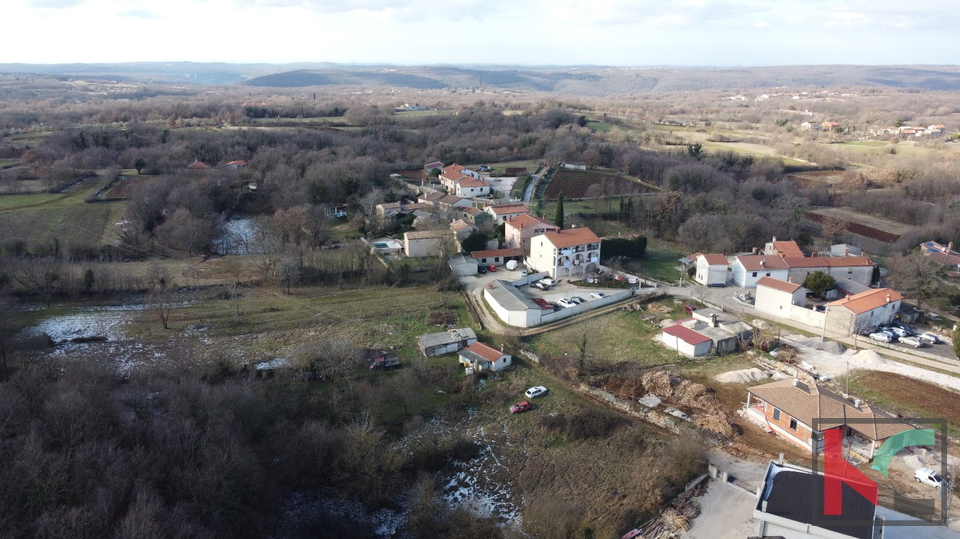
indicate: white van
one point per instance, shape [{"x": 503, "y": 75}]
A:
[{"x": 928, "y": 477}]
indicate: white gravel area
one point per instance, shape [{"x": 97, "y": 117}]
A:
[{"x": 834, "y": 365}]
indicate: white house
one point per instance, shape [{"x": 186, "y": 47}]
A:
[
  {"x": 469, "y": 187},
  {"x": 867, "y": 310},
  {"x": 497, "y": 257},
  {"x": 712, "y": 269},
  {"x": 686, "y": 341},
  {"x": 778, "y": 297},
  {"x": 481, "y": 358},
  {"x": 506, "y": 211},
  {"x": 463, "y": 182},
  {"x": 749, "y": 269},
  {"x": 519, "y": 230},
  {"x": 565, "y": 253},
  {"x": 429, "y": 242},
  {"x": 856, "y": 268}
]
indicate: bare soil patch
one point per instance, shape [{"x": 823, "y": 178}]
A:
[
  {"x": 590, "y": 184},
  {"x": 915, "y": 395}
]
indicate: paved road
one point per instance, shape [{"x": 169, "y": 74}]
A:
[{"x": 528, "y": 195}]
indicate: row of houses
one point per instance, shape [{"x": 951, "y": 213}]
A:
[
  {"x": 783, "y": 260},
  {"x": 853, "y": 313}
]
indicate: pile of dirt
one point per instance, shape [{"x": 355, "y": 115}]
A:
[
  {"x": 869, "y": 358},
  {"x": 716, "y": 423},
  {"x": 670, "y": 387},
  {"x": 626, "y": 388},
  {"x": 833, "y": 347},
  {"x": 744, "y": 376}
]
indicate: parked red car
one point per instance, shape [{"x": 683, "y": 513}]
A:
[
  {"x": 492, "y": 269},
  {"x": 521, "y": 406}
]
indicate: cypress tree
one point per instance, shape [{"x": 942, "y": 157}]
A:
[{"x": 558, "y": 219}]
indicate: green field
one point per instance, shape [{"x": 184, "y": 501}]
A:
[
  {"x": 611, "y": 339},
  {"x": 66, "y": 217},
  {"x": 276, "y": 323},
  {"x": 602, "y": 127},
  {"x": 660, "y": 263}
]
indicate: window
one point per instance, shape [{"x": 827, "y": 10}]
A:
[
  {"x": 793, "y": 424},
  {"x": 768, "y": 274},
  {"x": 754, "y": 274},
  {"x": 776, "y": 414}
]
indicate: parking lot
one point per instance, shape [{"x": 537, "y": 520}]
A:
[{"x": 563, "y": 289}]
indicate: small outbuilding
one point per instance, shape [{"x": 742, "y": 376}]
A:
[
  {"x": 483, "y": 358},
  {"x": 446, "y": 342},
  {"x": 686, "y": 341}
]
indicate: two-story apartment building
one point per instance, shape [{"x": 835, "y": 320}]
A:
[
  {"x": 564, "y": 253},
  {"x": 712, "y": 269},
  {"x": 866, "y": 310},
  {"x": 519, "y": 230},
  {"x": 463, "y": 182},
  {"x": 749, "y": 269}
]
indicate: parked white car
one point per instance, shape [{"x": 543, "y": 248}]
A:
[
  {"x": 535, "y": 392},
  {"x": 898, "y": 331},
  {"x": 597, "y": 295},
  {"x": 929, "y": 338},
  {"x": 882, "y": 336},
  {"x": 547, "y": 281},
  {"x": 566, "y": 302},
  {"x": 928, "y": 477},
  {"x": 912, "y": 341}
]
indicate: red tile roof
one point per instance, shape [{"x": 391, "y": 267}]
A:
[
  {"x": 460, "y": 224},
  {"x": 508, "y": 208},
  {"x": 198, "y": 165},
  {"x": 868, "y": 301},
  {"x": 686, "y": 334},
  {"x": 525, "y": 220},
  {"x": 715, "y": 260},
  {"x": 827, "y": 261},
  {"x": 777, "y": 284},
  {"x": 484, "y": 351},
  {"x": 426, "y": 234},
  {"x": 787, "y": 248},
  {"x": 762, "y": 262},
  {"x": 470, "y": 181},
  {"x": 571, "y": 238}
]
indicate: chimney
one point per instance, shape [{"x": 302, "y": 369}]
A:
[
  {"x": 774, "y": 238},
  {"x": 856, "y": 403},
  {"x": 888, "y": 298},
  {"x": 796, "y": 382},
  {"x": 501, "y": 348},
  {"x": 950, "y": 246},
  {"x": 762, "y": 262}
]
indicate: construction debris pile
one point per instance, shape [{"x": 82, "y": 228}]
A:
[
  {"x": 674, "y": 519},
  {"x": 677, "y": 391}
]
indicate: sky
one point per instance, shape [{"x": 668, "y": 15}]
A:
[{"x": 517, "y": 32}]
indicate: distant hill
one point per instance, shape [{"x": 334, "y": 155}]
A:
[{"x": 585, "y": 80}]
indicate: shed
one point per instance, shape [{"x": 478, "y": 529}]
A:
[
  {"x": 446, "y": 342},
  {"x": 686, "y": 341},
  {"x": 462, "y": 265}
]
